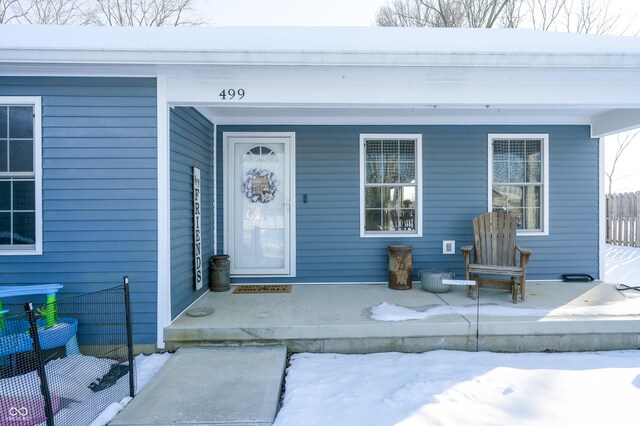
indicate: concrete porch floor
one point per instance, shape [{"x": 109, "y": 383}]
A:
[{"x": 334, "y": 318}]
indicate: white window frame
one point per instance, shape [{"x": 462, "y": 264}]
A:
[
  {"x": 544, "y": 216},
  {"x": 36, "y": 103},
  {"x": 418, "y": 219}
]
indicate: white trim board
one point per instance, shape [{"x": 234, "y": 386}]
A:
[
  {"x": 228, "y": 171},
  {"x": 36, "y": 103},
  {"x": 545, "y": 176},
  {"x": 164, "y": 215},
  {"x": 417, "y": 137}
]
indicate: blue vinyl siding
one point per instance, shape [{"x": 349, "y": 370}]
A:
[
  {"x": 329, "y": 246},
  {"x": 191, "y": 136},
  {"x": 99, "y": 156}
]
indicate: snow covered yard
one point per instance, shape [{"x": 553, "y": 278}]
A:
[
  {"x": 473, "y": 388},
  {"x": 462, "y": 388},
  {"x": 622, "y": 265}
]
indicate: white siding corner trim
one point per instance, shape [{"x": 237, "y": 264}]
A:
[{"x": 164, "y": 222}]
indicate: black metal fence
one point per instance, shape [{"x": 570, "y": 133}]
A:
[{"x": 46, "y": 378}]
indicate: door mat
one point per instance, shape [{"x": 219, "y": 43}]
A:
[{"x": 279, "y": 288}]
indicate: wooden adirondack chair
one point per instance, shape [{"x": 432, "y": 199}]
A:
[{"x": 494, "y": 253}]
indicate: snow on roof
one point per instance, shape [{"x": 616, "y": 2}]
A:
[
  {"x": 356, "y": 39},
  {"x": 305, "y": 40}
]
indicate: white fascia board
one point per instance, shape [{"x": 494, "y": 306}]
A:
[
  {"x": 76, "y": 70},
  {"x": 290, "y": 90},
  {"x": 359, "y": 40},
  {"x": 161, "y": 56},
  {"x": 616, "y": 121}
]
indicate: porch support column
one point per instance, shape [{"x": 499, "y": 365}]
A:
[
  {"x": 164, "y": 223},
  {"x": 602, "y": 211}
]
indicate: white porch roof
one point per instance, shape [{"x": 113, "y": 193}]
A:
[{"x": 355, "y": 75}]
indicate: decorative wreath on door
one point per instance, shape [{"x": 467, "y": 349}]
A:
[{"x": 259, "y": 185}]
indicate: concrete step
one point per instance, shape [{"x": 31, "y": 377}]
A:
[{"x": 226, "y": 385}]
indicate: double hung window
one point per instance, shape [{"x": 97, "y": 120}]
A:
[
  {"x": 20, "y": 188},
  {"x": 391, "y": 190},
  {"x": 519, "y": 179}
]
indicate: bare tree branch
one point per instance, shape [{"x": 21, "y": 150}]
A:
[
  {"x": 512, "y": 15},
  {"x": 544, "y": 13},
  {"x": 151, "y": 13},
  {"x": 590, "y": 17},
  {"x": 12, "y": 10},
  {"x": 445, "y": 13},
  {"x": 623, "y": 140},
  {"x": 53, "y": 12},
  {"x": 578, "y": 16}
]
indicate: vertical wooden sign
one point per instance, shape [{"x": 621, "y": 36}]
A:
[{"x": 197, "y": 229}]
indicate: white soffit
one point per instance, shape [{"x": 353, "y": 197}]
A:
[{"x": 615, "y": 121}]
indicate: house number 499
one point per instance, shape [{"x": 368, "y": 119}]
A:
[{"x": 228, "y": 94}]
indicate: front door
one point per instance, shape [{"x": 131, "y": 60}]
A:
[{"x": 259, "y": 214}]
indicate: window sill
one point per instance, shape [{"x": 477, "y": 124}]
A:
[
  {"x": 30, "y": 252},
  {"x": 390, "y": 235},
  {"x": 532, "y": 234}
]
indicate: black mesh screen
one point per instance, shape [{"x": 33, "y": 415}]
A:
[{"x": 77, "y": 366}]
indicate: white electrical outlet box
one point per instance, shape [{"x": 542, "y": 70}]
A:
[{"x": 448, "y": 247}]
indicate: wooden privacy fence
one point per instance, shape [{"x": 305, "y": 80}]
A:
[{"x": 623, "y": 219}]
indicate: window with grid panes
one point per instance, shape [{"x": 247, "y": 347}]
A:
[
  {"x": 391, "y": 185},
  {"x": 17, "y": 178},
  {"x": 518, "y": 180}
]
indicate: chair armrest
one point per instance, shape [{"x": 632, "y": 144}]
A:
[
  {"x": 524, "y": 256},
  {"x": 466, "y": 252}
]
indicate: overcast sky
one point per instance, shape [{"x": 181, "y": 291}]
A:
[{"x": 291, "y": 12}]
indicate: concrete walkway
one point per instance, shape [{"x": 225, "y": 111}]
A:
[{"x": 211, "y": 386}]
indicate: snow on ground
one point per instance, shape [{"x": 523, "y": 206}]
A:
[
  {"x": 462, "y": 388},
  {"x": 622, "y": 265},
  {"x": 388, "y": 311},
  {"x": 146, "y": 366},
  {"x": 473, "y": 388}
]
